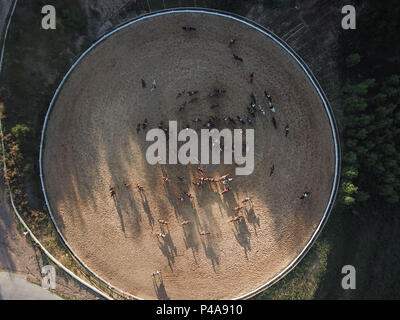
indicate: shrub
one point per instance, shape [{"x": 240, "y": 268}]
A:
[
  {"x": 347, "y": 200},
  {"x": 20, "y": 131},
  {"x": 353, "y": 60},
  {"x": 349, "y": 188}
]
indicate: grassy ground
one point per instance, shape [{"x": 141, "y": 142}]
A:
[
  {"x": 302, "y": 282},
  {"x": 368, "y": 241}
]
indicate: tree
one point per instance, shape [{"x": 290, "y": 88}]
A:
[
  {"x": 353, "y": 60},
  {"x": 349, "y": 188},
  {"x": 362, "y": 196},
  {"x": 361, "y": 89},
  {"x": 347, "y": 200},
  {"x": 350, "y": 157},
  {"x": 350, "y": 172},
  {"x": 20, "y": 131},
  {"x": 372, "y": 127},
  {"x": 361, "y": 134},
  {"x": 351, "y": 143},
  {"x": 388, "y": 193}
]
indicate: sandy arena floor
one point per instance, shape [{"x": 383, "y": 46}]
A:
[{"x": 91, "y": 143}]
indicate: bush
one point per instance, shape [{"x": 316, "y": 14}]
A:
[
  {"x": 74, "y": 18},
  {"x": 20, "y": 131},
  {"x": 362, "y": 196},
  {"x": 347, "y": 200},
  {"x": 350, "y": 172},
  {"x": 349, "y": 188},
  {"x": 350, "y": 158}
]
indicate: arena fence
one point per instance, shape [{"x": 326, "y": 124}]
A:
[{"x": 306, "y": 70}]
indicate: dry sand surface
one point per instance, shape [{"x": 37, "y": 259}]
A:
[{"x": 91, "y": 143}]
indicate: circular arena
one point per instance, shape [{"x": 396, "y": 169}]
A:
[{"x": 91, "y": 141}]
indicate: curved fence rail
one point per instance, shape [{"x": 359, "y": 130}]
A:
[
  {"x": 14, "y": 5},
  {"x": 306, "y": 70}
]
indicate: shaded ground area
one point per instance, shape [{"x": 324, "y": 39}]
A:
[
  {"x": 16, "y": 287},
  {"x": 19, "y": 256},
  {"x": 91, "y": 143},
  {"x": 312, "y": 31}
]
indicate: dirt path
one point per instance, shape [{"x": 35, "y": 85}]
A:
[
  {"x": 16, "y": 254},
  {"x": 91, "y": 143}
]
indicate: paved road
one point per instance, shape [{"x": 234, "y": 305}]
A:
[{"x": 16, "y": 287}]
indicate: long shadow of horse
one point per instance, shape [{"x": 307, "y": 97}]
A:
[
  {"x": 242, "y": 235},
  {"x": 147, "y": 209},
  {"x": 253, "y": 219},
  {"x": 119, "y": 211},
  {"x": 168, "y": 249},
  {"x": 210, "y": 252},
  {"x": 190, "y": 241},
  {"x": 128, "y": 212},
  {"x": 160, "y": 290},
  {"x": 176, "y": 189}
]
